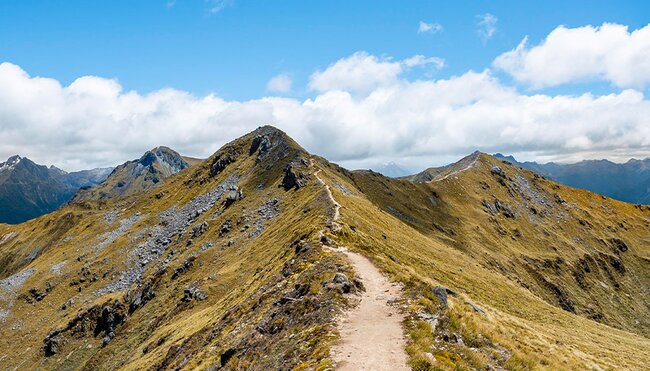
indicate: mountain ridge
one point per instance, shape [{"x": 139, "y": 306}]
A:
[{"x": 229, "y": 264}]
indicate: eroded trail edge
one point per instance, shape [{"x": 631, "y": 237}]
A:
[{"x": 372, "y": 337}]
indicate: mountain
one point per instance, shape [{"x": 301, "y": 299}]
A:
[
  {"x": 444, "y": 172},
  {"x": 28, "y": 190},
  {"x": 257, "y": 257},
  {"x": 136, "y": 176},
  {"x": 629, "y": 182}
]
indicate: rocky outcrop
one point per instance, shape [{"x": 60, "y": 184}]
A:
[
  {"x": 295, "y": 175},
  {"x": 97, "y": 320}
]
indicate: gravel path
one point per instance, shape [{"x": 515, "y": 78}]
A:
[{"x": 371, "y": 333}]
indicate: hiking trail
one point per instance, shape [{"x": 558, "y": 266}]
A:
[{"x": 371, "y": 333}]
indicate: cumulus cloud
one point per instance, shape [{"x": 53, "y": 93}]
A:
[
  {"x": 486, "y": 26},
  {"x": 608, "y": 52},
  {"x": 417, "y": 123},
  {"x": 279, "y": 84},
  {"x": 431, "y": 28},
  {"x": 362, "y": 72}
]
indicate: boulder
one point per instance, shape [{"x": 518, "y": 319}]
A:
[
  {"x": 293, "y": 178},
  {"x": 343, "y": 282},
  {"x": 441, "y": 294},
  {"x": 193, "y": 293},
  {"x": 496, "y": 170}
]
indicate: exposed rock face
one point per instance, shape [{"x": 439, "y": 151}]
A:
[
  {"x": 261, "y": 143},
  {"x": 223, "y": 159},
  {"x": 97, "y": 320},
  {"x": 295, "y": 175}
]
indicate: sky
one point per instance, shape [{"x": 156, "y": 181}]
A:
[{"x": 363, "y": 83}]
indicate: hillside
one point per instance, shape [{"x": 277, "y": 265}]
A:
[
  {"x": 28, "y": 190},
  {"x": 249, "y": 259},
  {"x": 629, "y": 181}
]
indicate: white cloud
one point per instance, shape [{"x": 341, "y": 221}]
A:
[
  {"x": 608, "y": 52},
  {"x": 432, "y": 28},
  {"x": 94, "y": 122},
  {"x": 362, "y": 72},
  {"x": 215, "y": 6},
  {"x": 279, "y": 84},
  {"x": 486, "y": 26}
]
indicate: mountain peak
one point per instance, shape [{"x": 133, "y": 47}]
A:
[{"x": 10, "y": 163}]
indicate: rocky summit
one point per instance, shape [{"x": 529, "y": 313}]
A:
[
  {"x": 265, "y": 256},
  {"x": 138, "y": 175}
]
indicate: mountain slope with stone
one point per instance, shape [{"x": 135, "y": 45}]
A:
[
  {"x": 254, "y": 258},
  {"x": 28, "y": 190}
]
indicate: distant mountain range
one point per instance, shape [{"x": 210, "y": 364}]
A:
[
  {"x": 629, "y": 182},
  {"x": 28, "y": 190}
]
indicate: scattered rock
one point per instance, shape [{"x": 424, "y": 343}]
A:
[
  {"x": 141, "y": 297},
  {"x": 326, "y": 241},
  {"x": 56, "y": 268},
  {"x": 618, "y": 244},
  {"x": 193, "y": 293},
  {"x": 226, "y": 356},
  {"x": 51, "y": 345},
  {"x": 184, "y": 267},
  {"x": 301, "y": 246},
  {"x": 173, "y": 222},
  {"x": 225, "y": 227},
  {"x": 101, "y": 320},
  {"x": 198, "y": 230},
  {"x": 35, "y": 295}
]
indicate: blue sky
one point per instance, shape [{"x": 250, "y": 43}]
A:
[
  {"x": 148, "y": 45},
  {"x": 363, "y": 83}
]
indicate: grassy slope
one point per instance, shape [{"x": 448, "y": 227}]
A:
[{"x": 453, "y": 241}]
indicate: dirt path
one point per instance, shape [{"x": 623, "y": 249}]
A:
[
  {"x": 337, "y": 206},
  {"x": 371, "y": 333}
]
